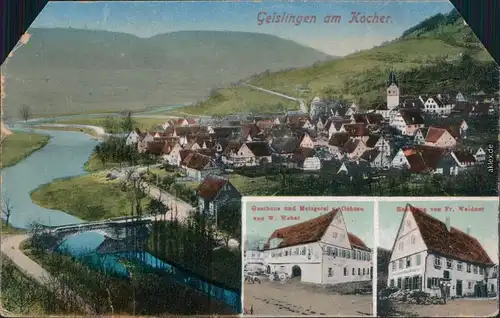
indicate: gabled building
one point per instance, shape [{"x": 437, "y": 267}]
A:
[
  {"x": 436, "y": 105},
  {"x": 214, "y": 193},
  {"x": 407, "y": 122},
  {"x": 428, "y": 251},
  {"x": 171, "y": 153},
  {"x": 439, "y": 137},
  {"x": 376, "y": 159},
  {"x": 358, "y": 169},
  {"x": 197, "y": 166},
  {"x": 380, "y": 143},
  {"x": 306, "y": 159},
  {"x": 320, "y": 251},
  {"x": 249, "y": 132},
  {"x": 357, "y": 130},
  {"x": 133, "y": 138},
  {"x": 354, "y": 148},
  {"x": 253, "y": 154}
]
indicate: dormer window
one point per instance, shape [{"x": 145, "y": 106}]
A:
[{"x": 459, "y": 266}]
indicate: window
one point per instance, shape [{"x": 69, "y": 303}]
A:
[
  {"x": 419, "y": 259},
  {"x": 401, "y": 264},
  {"x": 469, "y": 285},
  {"x": 330, "y": 272},
  {"x": 334, "y": 234},
  {"x": 481, "y": 270},
  {"x": 348, "y": 254},
  {"x": 449, "y": 263},
  {"x": 413, "y": 239},
  {"x": 399, "y": 282},
  {"x": 475, "y": 269},
  {"x": 359, "y": 271},
  {"x": 345, "y": 271},
  {"x": 393, "y": 266},
  {"x": 329, "y": 250},
  {"x": 353, "y": 271},
  {"x": 303, "y": 251},
  {"x": 468, "y": 268},
  {"x": 437, "y": 261},
  {"x": 296, "y": 251},
  {"x": 354, "y": 255},
  {"x": 359, "y": 254},
  {"x": 364, "y": 271},
  {"x": 343, "y": 253},
  {"x": 406, "y": 283},
  {"x": 408, "y": 262},
  {"x": 392, "y": 283},
  {"x": 335, "y": 252}
]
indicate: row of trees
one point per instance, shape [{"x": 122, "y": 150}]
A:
[
  {"x": 125, "y": 124},
  {"x": 115, "y": 150}
]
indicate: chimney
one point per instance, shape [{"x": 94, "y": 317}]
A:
[
  {"x": 468, "y": 230},
  {"x": 447, "y": 222}
]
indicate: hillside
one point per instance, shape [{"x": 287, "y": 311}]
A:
[
  {"x": 73, "y": 70},
  {"x": 433, "y": 55}
]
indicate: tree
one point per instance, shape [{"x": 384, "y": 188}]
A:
[
  {"x": 25, "y": 113},
  {"x": 7, "y": 209},
  {"x": 109, "y": 124},
  {"x": 127, "y": 123},
  {"x": 229, "y": 220}
]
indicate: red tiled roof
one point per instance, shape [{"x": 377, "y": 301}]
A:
[
  {"x": 464, "y": 157},
  {"x": 155, "y": 147},
  {"x": 196, "y": 161},
  {"x": 417, "y": 163},
  {"x": 305, "y": 232},
  {"x": 209, "y": 188},
  {"x": 249, "y": 130},
  {"x": 453, "y": 243},
  {"x": 259, "y": 149},
  {"x": 356, "y": 242},
  {"x": 433, "y": 134}
]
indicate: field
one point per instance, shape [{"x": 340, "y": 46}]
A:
[
  {"x": 88, "y": 131},
  {"x": 20, "y": 145},
  {"x": 361, "y": 77},
  {"x": 89, "y": 197},
  {"x": 254, "y": 186},
  {"x": 7, "y": 229},
  {"x": 94, "y": 164},
  {"x": 237, "y": 99}
]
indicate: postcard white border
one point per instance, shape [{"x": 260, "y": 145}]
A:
[{"x": 375, "y": 200}]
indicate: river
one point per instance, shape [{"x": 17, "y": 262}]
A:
[{"x": 65, "y": 156}]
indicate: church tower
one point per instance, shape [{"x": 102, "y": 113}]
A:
[{"x": 392, "y": 92}]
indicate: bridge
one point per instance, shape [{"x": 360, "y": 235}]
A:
[{"x": 115, "y": 228}]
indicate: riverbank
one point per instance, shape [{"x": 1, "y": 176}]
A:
[
  {"x": 88, "y": 131},
  {"x": 88, "y": 197},
  {"x": 20, "y": 145},
  {"x": 112, "y": 123},
  {"x": 23, "y": 296}
]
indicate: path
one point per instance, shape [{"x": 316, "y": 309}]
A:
[
  {"x": 99, "y": 131},
  {"x": 302, "y": 105},
  {"x": 10, "y": 247},
  {"x": 293, "y": 298}
]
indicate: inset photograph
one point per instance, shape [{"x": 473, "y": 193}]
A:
[
  {"x": 307, "y": 256},
  {"x": 438, "y": 258}
]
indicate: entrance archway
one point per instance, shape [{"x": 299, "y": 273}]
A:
[{"x": 296, "y": 271}]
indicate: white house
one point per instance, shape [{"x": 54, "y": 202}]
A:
[
  {"x": 399, "y": 161},
  {"x": 172, "y": 154},
  {"x": 252, "y": 154},
  {"x": 376, "y": 158},
  {"x": 198, "y": 166},
  {"x": 428, "y": 252},
  {"x": 320, "y": 251},
  {"x": 480, "y": 155},
  {"x": 407, "y": 122},
  {"x": 436, "y": 105},
  {"x": 306, "y": 159},
  {"x": 306, "y": 141},
  {"x": 132, "y": 138}
]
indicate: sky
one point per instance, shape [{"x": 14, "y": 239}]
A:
[
  {"x": 359, "y": 223},
  {"x": 145, "y": 19},
  {"x": 484, "y": 225}
]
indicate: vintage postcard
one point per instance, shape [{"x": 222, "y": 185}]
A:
[
  {"x": 438, "y": 257},
  {"x": 131, "y": 131},
  {"x": 308, "y": 256}
]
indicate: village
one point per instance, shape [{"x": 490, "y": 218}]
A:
[{"x": 423, "y": 135}]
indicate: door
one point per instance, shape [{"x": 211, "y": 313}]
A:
[{"x": 459, "y": 287}]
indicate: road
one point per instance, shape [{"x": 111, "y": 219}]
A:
[
  {"x": 10, "y": 247},
  {"x": 99, "y": 131},
  {"x": 302, "y": 105}
]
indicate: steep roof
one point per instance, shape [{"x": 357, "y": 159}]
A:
[
  {"x": 285, "y": 145},
  {"x": 357, "y": 242},
  {"x": 464, "y": 156},
  {"x": 259, "y": 149},
  {"x": 356, "y": 130},
  {"x": 232, "y": 147},
  {"x": 351, "y": 145},
  {"x": 372, "y": 141},
  {"x": 196, "y": 161},
  {"x": 453, "y": 243},
  {"x": 304, "y": 232},
  {"x": 411, "y": 117},
  {"x": 249, "y": 130},
  {"x": 434, "y": 133},
  {"x": 370, "y": 155},
  {"x": 210, "y": 187},
  {"x": 339, "y": 139}
]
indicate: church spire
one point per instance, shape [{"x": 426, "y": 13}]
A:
[{"x": 392, "y": 78}]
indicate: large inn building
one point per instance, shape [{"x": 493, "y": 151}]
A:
[
  {"x": 428, "y": 252},
  {"x": 320, "y": 250}
]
